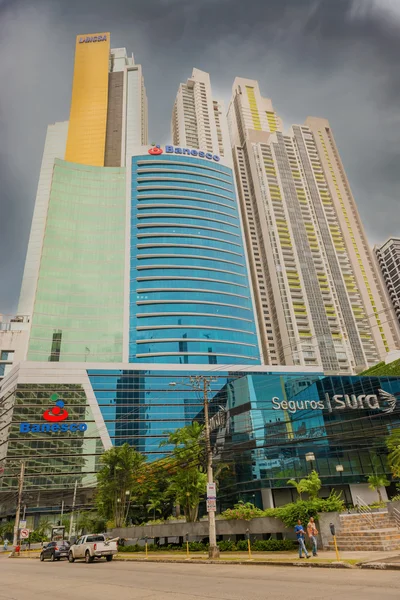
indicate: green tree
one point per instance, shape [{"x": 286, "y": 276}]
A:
[
  {"x": 393, "y": 445},
  {"x": 188, "y": 483},
  {"x": 376, "y": 482},
  {"x": 118, "y": 483},
  {"x": 7, "y": 530},
  {"x": 309, "y": 485},
  {"x": 312, "y": 484},
  {"x": 154, "y": 506},
  {"x": 298, "y": 485}
]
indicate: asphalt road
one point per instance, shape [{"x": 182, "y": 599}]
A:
[{"x": 24, "y": 579}]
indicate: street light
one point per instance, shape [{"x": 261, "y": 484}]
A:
[
  {"x": 202, "y": 383},
  {"x": 310, "y": 457}
]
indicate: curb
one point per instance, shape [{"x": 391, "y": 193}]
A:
[
  {"x": 339, "y": 565},
  {"x": 380, "y": 566}
]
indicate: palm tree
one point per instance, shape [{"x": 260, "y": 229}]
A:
[
  {"x": 118, "y": 482},
  {"x": 376, "y": 482},
  {"x": 393, "y": 445},
  {"x": 299, "y": 485}
]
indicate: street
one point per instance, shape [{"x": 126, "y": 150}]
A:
[{"x": 24, "y": 579}]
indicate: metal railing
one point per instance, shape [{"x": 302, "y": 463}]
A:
[
  {"x": 396, "y": 514},
  {"x": 366, "y": 511}
]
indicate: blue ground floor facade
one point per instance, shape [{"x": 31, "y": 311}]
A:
[{"x": 273, "y": 420}]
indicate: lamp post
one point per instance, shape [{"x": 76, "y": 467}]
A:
[
  {"x": 340, "y": 469},
  {"x": 202, "y": 383},
  {"x": 310, "y": 457}
]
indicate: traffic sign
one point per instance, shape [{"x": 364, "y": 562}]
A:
[
  {"x": 22, "y": 524},
  {"x": 211, "y": 505},
  {"x": 211, "y": 490},
  {"x": 24, "y": 533}
]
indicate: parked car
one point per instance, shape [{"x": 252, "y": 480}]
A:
[
  {"x": 92, "y": 546},
  {"x": 55, "y": 550}
]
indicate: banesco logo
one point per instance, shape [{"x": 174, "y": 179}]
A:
[
  {"x": 383, "y": 401},
  {"x": 155, "y": 150},
  {"x": 55, "y": 414}
]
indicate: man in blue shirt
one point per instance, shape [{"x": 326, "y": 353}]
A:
[{"x": 299, "y": 531}]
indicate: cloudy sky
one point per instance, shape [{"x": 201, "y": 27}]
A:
[{"x": 333, "y": 58}]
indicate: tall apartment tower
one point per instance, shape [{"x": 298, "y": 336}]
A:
[
  {"x": 73, "y": 285},
  {"x": 198, "y": 120},
  {"x": 388, "y": 256},
  {"x": 318, "y": 294}
]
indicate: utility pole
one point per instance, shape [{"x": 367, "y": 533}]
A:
[
  {"x": 71, "y": 521},
  {"x": 18, "y": 513},
  {"x": 213, "y": 551}
]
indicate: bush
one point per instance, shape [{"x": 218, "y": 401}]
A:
[
  {"x": 274, "y": 545},
  {"x": 243, "y": 511},
  {"x": 227, "y": 546},
  {"x": 242, "y": 545},
  {"x": 304, "y": 509},
  {"x": 197, "y": 547},
  {"x": 395, "y": 498}
]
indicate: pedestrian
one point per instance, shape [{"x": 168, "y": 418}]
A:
[
  {"x": 312, "y": 533},
  {"x": 299, "y": 531},
  {"x": 5, "y": 545}
]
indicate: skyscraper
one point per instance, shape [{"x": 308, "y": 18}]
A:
[
  {"x": 318, "y": 294},
  {"x": 388, "y": 256},
  {"x": 74, "y": 279},
  {"x": 198, "y": 119},
  {"x": 190, "y": 297}
]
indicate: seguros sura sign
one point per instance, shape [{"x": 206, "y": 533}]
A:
[
  {"x": 54, "y": 417},
  {"x": 382, "y": 401}
]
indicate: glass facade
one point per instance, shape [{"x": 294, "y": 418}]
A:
[
  {"x": 190, "y": 300},
  {"x": 273, "y": 421},
  {"x": 54, "y": 460},
  {"x": 78, "y": 311}
]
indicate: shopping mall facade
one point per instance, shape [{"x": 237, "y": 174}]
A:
[{"x": 274, "y": 418}]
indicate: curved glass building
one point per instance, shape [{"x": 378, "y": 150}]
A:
[{"x": 190, "y": 299}]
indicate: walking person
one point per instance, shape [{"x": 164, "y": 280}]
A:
[
  {"x": 312, "y": 533},
  {"x": 299, "y": 531}
]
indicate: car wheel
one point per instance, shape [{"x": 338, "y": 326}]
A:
[
  {"x": 58, "y": 557},
  {"x": 88, "y": 558},
  {"x": 52, "y": 557},
  {"x": 109, "y": 558},
  {"x": 41, "y": 556},
  {"x": 71, "y": 558}
]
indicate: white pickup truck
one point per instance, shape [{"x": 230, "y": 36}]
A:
[{"x": 92, "y": 546}]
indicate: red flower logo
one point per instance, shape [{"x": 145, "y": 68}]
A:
[
  {"x": 57, "y": 413},
  {"x": 155, "y": 150}
]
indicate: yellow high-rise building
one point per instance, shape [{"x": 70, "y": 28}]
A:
[{"x": 88, "y": 115}]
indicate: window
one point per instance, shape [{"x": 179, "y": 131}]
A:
[{"x": 7, "y": 355}]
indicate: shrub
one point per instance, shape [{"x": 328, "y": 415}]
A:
[
  {"x": 197, "y": 547},
  {"x": 242, "y": 545},
  {"x": 395, "y": 498},
  {"x": 243, "y": 511},
  {"x": 227, "y": 546},
  {"x": 304, "y": 509},
  {"x": 273, "y": 545}
]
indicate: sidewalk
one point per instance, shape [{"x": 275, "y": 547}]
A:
[{"x": 325, "y": 559}]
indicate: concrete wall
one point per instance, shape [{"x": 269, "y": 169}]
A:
[
  {"x": 324, "y": 520},
  {"x": 363, "y": 491},
  {"x": 264, "y": 525}
]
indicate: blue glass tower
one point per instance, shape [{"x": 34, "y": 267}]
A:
[{"x": 190, "y": 298}]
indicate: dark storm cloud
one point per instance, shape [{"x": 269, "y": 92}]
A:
[{"x": 331, "y": 58}]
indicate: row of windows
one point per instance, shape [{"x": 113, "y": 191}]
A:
[{"x": 202, "y": 334}]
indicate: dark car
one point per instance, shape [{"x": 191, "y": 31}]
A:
[{"x": 55, "y": 551}]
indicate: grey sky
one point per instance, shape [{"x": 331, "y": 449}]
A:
[{"x": 332, "y": 58}]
